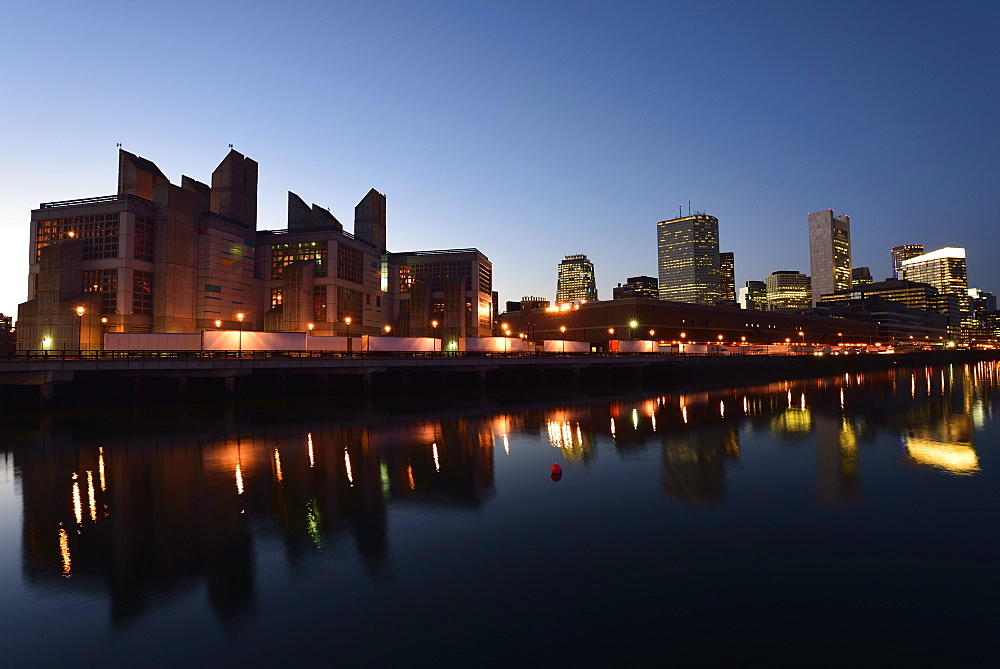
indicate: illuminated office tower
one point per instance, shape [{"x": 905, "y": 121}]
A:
[
  {"x": 576, "y": 280},
  {"x": 861, "y": 276},
  {"x": 944, "y": 269},
  {"x": 787, "y": 291},
  {"x": 901, "y": 253},
  {"x": 753, "y": 296},
  {"x": 687, "y": 251},
  {"x": 727, "y": 276},
  {"x": 829, "y": 253}
]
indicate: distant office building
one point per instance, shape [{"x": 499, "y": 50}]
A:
[
  {"x": 638, "y": 286},
  {"x": 688, "y": 259},
  {"x": 788, "y": 290},
  {"x": 982, "y": 303},
  {"x": 911, "y": 294},
  {"x": 829, "y": 253},
  {"x": 576, "y": 280},
  {"x": 944, "y": 269},
  {"x": 527, "y": 303},
  {"x": 753, "y": 296},
  {"x": 727, "y": 276},
  {"x": 861, "y": 276},
  {"x": 901, "y": 253}
]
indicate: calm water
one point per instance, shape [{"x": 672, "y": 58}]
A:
[{"x": 839, "y": 520}]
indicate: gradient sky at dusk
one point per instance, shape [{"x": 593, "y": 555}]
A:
[{"x": 529, "y": 130}]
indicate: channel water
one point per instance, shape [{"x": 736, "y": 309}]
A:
[{"x": 841, "y": 520}]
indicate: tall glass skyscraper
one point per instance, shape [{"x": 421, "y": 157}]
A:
[
  {"x": 687, "y": 252},
  {"x": 576, "y": 280},
  {"x": 829, "y": 253},
  {"x": 727, "y": 276}
]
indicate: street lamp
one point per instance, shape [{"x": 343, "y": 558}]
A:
[
  {"x": 347, "y": 322},
  {"x": 218, "y": 325},
  {"x": 632, "y": 325},
  {"x": 79, "y": 312},
  {"x": 803, "y": 336},
  {"x": 240, "y": 316},
  {"x": 310, "y": 326},
  {"x": 434, "y": 325},
  {"x": 562, "y": 329},
  {"x": 387, "y": 329},
  {"x": 841, "y": 335}
]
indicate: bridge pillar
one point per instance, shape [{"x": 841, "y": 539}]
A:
[
  {"x": 324, "y": 385},
  {"x": 282, "y": 383},
  {"x": 137, "y": 389},
  {"x": 366, "y": 384},
  {"x": 230, "y": 388},
  {"x": 183, "y": 394},
  {"x": 47, "y": 396}
]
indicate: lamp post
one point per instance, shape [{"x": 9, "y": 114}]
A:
[
  {"x": 310, "y": 327},
  {"x": 434, "y": 326},
  {"x": 79, "y": 312},
  {"x": 240, "y": 316},
  {"x": 347, "y": 322},
  {"x": 802, "y": 335},
  {"x": 562, "y": 329},
  {"x": 632, "y": 325},
  {"x": 218, "y": 325}
]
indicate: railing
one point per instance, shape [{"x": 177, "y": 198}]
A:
[{"x": 103, "y": 199}]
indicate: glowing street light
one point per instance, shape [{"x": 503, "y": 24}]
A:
[
  {"x": 79, "y": 312},
  {"x": 387, "y": 328},
  {"x": 562, "y": 329},
  {"x": 347, "y": 322},
  {"x": 434, "y": 325},
  {"x": 218, "y": 324},
  {"x": 240, "y": 316},
  {"x": 310, "y": 326}
]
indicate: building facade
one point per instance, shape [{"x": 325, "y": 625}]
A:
[
  {"x": 861, "y": 276},
  {"x": 576, "y": 280},
  {"x": 753, "y": 296},
  {"x": 901, "y": 253},
  {"x": 829, "y": 253},
  {"x": 727, "y": 276},
  {"x": 944, "y": 269},
  {"x": 687, "y": 251},
  {"x": 788, "y": 290},
  {"x": 161, "y": 257},
  {"x": 638, "y": 286}
]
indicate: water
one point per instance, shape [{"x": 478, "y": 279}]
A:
[{"x": 827, "y": 521}]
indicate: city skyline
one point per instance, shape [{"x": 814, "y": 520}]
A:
[{"x": 564, "y": 147}]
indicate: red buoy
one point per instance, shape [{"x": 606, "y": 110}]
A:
[{"x": 555, "y": 469}]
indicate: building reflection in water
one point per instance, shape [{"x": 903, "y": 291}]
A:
[{"x": 144, "y": 516}]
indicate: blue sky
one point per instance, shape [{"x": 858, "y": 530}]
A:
[{"x": 529, "y": 130}]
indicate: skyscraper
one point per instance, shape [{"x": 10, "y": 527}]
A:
[
  {"x": 576, "y": 280},
  {"x": 829, "y": 253},
  {"x": 787, "y": 290},
  {"x": 754, "y": 296},
  {"x": 727, "y": 276},
  {"x": 687, "y": 250},
  {"x": 944, "y": 269},
  {"x": 901, "y": 253}
]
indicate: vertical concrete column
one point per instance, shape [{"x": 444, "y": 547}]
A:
[
  {"x": 137, "y": 389},
  {"x": 183, "y": 393},
  {"x": 47, "y": 396},
  {"x": 230, "y": 388},
  {"x": 366, "y": 384}
]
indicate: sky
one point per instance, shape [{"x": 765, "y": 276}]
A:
[{"x": 529, "y": 130}]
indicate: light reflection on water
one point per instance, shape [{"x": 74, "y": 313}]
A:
[{"x": 342, "y": 506}]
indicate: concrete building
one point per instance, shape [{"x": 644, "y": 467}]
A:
[
  {"x": 576, "y": 280},
  {"x": 944, "y": 269},
  {"x": 687, "y": 250},
  {"x": 727, "y": 276},
  {"x": 160, "y": 257},
  {"x": 861, "y": 276},
  {"x": 444, "y": 293},
  {"x": 901, "y": 253},
  {"x": 637, "y": 286},
  {"x": 829, "y": 253},
  {"x": 788, "y": 290}
]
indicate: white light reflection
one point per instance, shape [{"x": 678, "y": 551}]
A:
[
  {"x": 684, "y": 414},
  {"x": 506, "y": 445},
  {"x": 437, "y": 462},
  {"x": 77, "y": 507},
  {"x": 635, "y": 419},
  {"x": 789, "y": 398},
  {"x": 309, "y": 442},
  {"x": 67, "y": 562},
  {"x": 722, "y": 409},
  {"x": 277, "y": 466},
  {"x": 652, "y": 418},
  {"x": 347, "y": 465},
  {"x": 746, "y": 406},
  {"x": 841, "y": 398},
  {"x": 802, "y": 402},
  {"x": 239, "y": 479},
  {"x": 91, "y": 496},
  {"x": 612, "y": 428},
  {"x": 913, "y": 384},
  {"x": 100, "y": 466}
]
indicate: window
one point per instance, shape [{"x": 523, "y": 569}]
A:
[
  {"x": 349, "y": 264},
  {"x": 142, "y": 293},
  {"x": 99, "y": 233},
  {"x": 319, "y": 303},
  {"x": 275, "y": 298},
  {"x": 105, "y": 282},
  {"x": 349, "y": 304},
  {"x": 283, "y": 255},
  {"x": 144, "y": 238}
]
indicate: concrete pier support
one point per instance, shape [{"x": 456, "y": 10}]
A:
[
  {"x": 366, "y": 384},
  {"x": 46, "y": 396},
  {"x": 230, "y": 388},
  {"x": 183, "y": 389}
]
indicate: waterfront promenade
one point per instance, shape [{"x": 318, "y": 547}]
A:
[{"x": 43, "y": 379}]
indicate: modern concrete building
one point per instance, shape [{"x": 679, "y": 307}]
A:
[
  {"x": 829, "y": 253},
  {"x": 444, "y": 293},
  {"x": 576, "y": 280},
  {"x": 637, "y": 286},
  {"x": 861, "y": 276},
  {"x": 687, "y": 251},
  {"x": 727, "y": 276},
  {"x": 944, "y": 269},
  {"x": 901, "y": 253},
  {"x": 788, "y": 290},
  {"x": 160, "y": 257}
]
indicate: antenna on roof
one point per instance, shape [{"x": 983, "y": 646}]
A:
[
  {"x": 680, "y": 211},
  {"x": 230, "y": 146},
  {"x": 119, "y": 145},
  {"x": 689, "y": 207}
]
